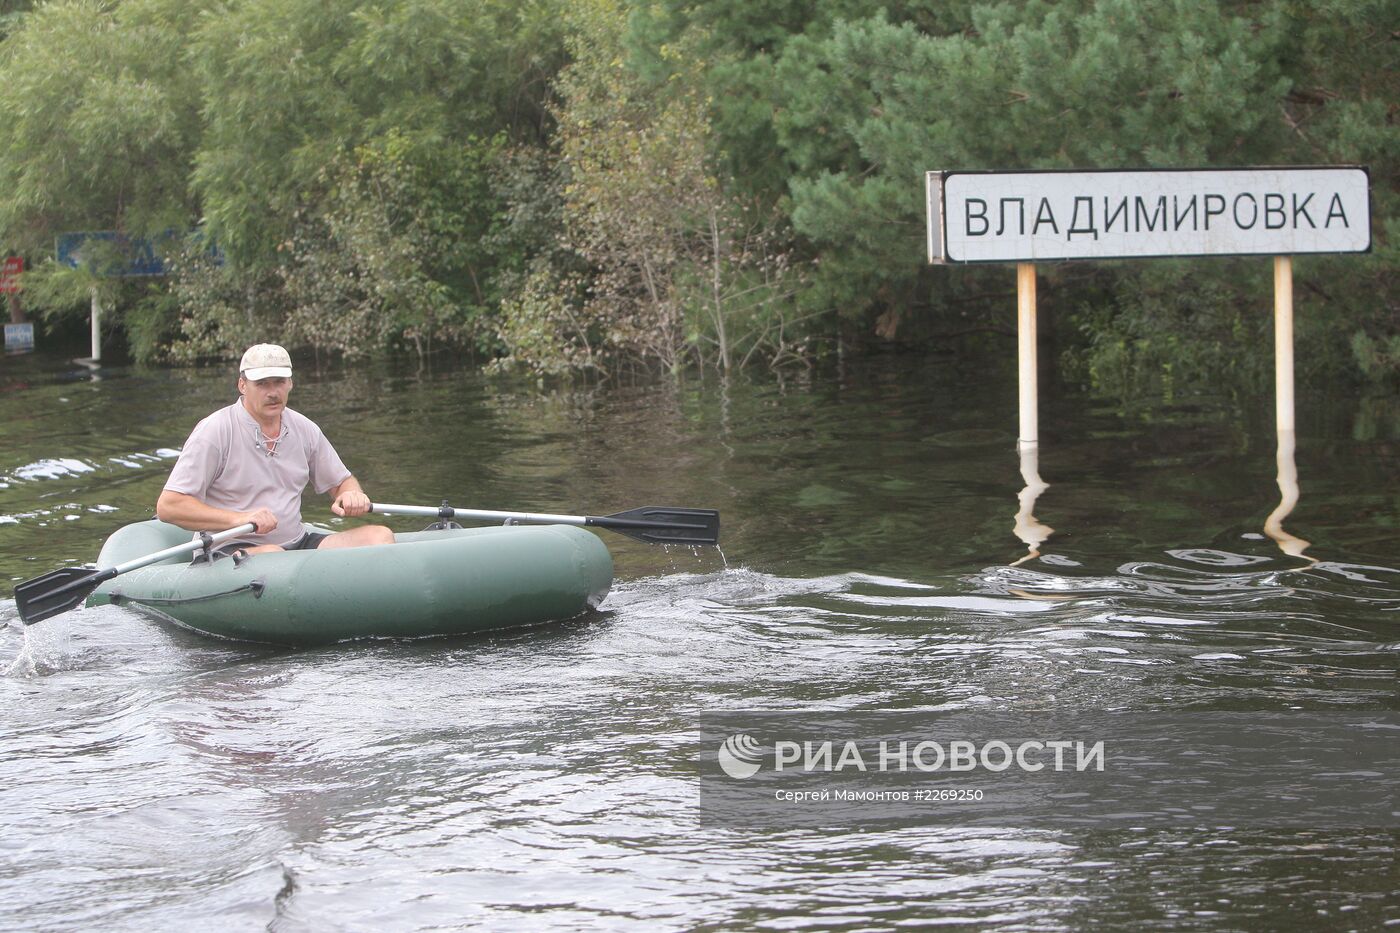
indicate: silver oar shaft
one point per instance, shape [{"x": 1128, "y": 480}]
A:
[
  {"x": 147, "y": 559},
  {"x": 536, "y": 518}
]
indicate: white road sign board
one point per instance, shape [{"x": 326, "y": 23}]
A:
[{"x": 1055, "y": 215}]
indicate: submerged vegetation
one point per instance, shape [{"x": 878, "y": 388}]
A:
[{"x": 593, "y": 186}]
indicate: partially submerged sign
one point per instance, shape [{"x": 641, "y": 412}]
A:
[
  {"x": 1045, "y": 216},
  {"x": 1040, "y": 216},
  {"x": 10, "y": 274}
]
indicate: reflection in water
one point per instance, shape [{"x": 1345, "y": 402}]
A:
[
  {"x": 1028, "y": 528},
  {"x": 1034, "y": 532},
  {"x": 1292, "y": 545}
]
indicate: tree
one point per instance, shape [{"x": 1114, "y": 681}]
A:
[
  {"x": 101, "y": 118},
  {"x": 290, "y": 88},
  {"x": 11, "y": 12},
  {"x": 303, "y": 138},
  {"x": 668, "y": 267},
  {"x": 836, "y": 110},
  {"x": 399, "y": 251},
  {"x": 358, "y": 153}
]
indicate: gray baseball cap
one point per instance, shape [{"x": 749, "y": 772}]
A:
[{"x": 265, "y": 361}]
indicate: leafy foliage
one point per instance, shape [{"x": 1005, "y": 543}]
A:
[
  {"x": 599, "y": 184},
  {"x": 835, "y": 110},
  {"x": 398, "y": 251},
  {"x": 665, "y": 266},
  {"x": 100, "y": 115}
]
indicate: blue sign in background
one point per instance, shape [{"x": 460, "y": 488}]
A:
[
  {"x": 119, "y": 254},
  {"x": 19, "y": 336}
]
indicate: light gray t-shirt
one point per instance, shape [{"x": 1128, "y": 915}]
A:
[{"x": 225, "y": 464}]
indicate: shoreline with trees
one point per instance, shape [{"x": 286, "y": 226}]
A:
[{"x": 588, "y": 187}]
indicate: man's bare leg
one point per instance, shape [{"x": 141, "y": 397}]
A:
[{"x": 363, "y": 536}]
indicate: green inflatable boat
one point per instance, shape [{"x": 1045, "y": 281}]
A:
[{"x": 449, "y": 581}]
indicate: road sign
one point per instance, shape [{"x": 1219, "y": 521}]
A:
[
  {"x": 109, "y": 253},
  {"x": 986, "y": 216},
  {"x": 10, "y": 272},
  {"x": 1028, "y": 217},
  {"x": 19, "y": 336}
]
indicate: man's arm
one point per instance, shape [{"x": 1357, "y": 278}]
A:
[
  {"x": 181, "y": 509},
  {"x": 347, "y": 498}
]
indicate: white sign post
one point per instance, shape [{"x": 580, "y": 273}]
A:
[{"x": 1050, "y": 216}]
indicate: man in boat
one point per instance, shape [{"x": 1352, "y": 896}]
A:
[{"x": 250, "y": 462}]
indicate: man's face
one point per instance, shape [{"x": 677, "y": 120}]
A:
[{"x": 265, "y": 398}]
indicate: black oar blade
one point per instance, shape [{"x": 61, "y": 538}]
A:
[
  {"x": 658, "y": 525},
  {"x": 55, "y": 592}
]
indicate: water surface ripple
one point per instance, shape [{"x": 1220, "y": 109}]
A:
[{"x": 152, "y": 779}]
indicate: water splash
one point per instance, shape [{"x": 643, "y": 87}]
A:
[
  {"x": 24, "y": 664},
  {"x": 41, "y": 648}
]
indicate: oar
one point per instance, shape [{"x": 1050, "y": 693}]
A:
[
  {"x": 652, "y": 524},
  {"x": 61, "y": 590}
]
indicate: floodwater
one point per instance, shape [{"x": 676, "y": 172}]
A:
[{"x": 884, "y": 548}]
